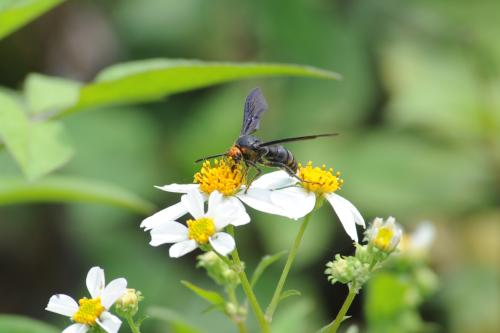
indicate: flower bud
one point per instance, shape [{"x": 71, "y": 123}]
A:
[
  {"x": 384, "y": 235},
  {"x": 217, "y": 269},
  {"x": 347, "y": 270},
  {"x": 128, "y": 303}
]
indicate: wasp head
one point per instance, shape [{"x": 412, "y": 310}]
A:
[{"x": 235, "y": 153}]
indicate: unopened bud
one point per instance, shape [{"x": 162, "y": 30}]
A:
[
  {"x": 217, "y": 269},
  {"x": 347, "y": 270},
  {"x": 128, "y": 303}
]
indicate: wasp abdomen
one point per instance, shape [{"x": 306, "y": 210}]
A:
[{"x": 280, "y": 155}]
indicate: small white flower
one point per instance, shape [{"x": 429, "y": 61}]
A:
[
  {"x": 419, "y": 242},
  {"x": 225, "y": 177},
  {"x": 205, "y": 228},
  {"x": 299, "y": 198},
  {"x": 93, "y": 311},
  {"x": 385, "y": 235}
]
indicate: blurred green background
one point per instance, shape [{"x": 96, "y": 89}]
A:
[{"x": 418, "y": 111}]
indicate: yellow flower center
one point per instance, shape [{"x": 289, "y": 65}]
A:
[
  {"x": 383, "y": 239},
  {"x": 89, "y": 311},
  {"x": 225, "y": 176},
  {"x": 201, "y": 229},
  {"x": 319, "y": 180}
]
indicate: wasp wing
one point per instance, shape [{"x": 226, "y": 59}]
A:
[
  {"x": 255, "y": 106},
  {"x": 297, "y": 138}
]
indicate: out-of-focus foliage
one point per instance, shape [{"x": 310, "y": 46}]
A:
[
  {"x": 38, "y": 147},
  {"x": 21, "y": 324},
  {"x": 151, "y": 80},
  {"x": 15, "y": 13},
  {"x": 66, "y": 189},
  {"x": 418, "y": 113}
]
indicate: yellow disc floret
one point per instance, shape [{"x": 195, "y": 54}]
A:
[
  {"x": 89, "y": 311},
  {"x": 384, "y": 239},
  {"x": 201, "y": 229},
  {"x": 319, "y": 180},
  {"x": 225, "y": 176}
]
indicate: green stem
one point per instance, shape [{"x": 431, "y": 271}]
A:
[
  {"x": 238, "y": 321},
  {"x": 132, "y": 325},
  {"x": 232, "y": 295},
  {"x": 242, "y": 328},
  {"x": 259, "y": 314},
  {"x": 289, "y": 261},
  {"x": 333, "y": 327}
]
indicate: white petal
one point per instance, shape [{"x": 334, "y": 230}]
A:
[
  {"x": 423, "y": 236},
  {"x": 295, "y": 201},
  {"x": 222, "y": 243},
  {"x": 168, "y": 232},
  {"x": 194, "y": 203},
  {"x": 168, "y": 214},
  {"x": 178, "y": 188},
  {"x": 274, "y": 180},
  {"x": 357, "y": 215},
  {"x": 113, "y": 291},
  {"x": 346, "y": 216},
  {"x": 229, "y": 210},
  {"x": 63, "y": 305},
  {"x": 76, "y": 328},
  {"x": 179, "y": 249},
  {"x": 260, "y": 199},
  {"x": 109, "y": 322},
  {"x": 95, "y": 281},
  {"x": 214, "y": 200}
]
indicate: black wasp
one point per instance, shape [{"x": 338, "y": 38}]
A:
[{"x": 252, "y": 151}]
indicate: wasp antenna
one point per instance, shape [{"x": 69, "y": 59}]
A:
[{"x": 209, "y": 157}]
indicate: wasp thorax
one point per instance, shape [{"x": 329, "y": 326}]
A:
[
  {"x": 225, "y": 176},
  {"x": 235, "y": 153},
  {"x": 319, "y": 180}
]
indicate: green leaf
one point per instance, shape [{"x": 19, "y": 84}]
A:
[
  {"x": 20, "y": 324},
  {"x": 16, "y": 13},
  {"x": 50, "y": 94},
  {"x": 177, "y": 322},
  {"x": 37, "y": 147},
  {"x": 386, "y": 296},
  {"x": 150, "y": 80},
  {"x": 350, "y": 329},
  {"x": 211, "y": 296},
  {"x": 264, "y": 263},
  {"x": 288, "y": 293},
  {"x": 68, "y": 189}
]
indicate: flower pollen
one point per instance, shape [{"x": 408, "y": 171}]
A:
[
  {"x": 383, "y": 239},
  {"x": 89, "y": 311},
  {"x": 225, "y": 176},
  {"x": 319, "y": 180},
  {"x": 201, "y": 229}
]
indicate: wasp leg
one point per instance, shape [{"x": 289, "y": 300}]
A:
[
  {"x": 287, "y": 169},
  {"x": 259, "y": 171},
  {"x": 282, "y": 166}
]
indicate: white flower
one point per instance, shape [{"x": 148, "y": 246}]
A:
[
  {"x": 299, "y": 198},
  {"x": 93, "y": 311},
  {"x": 205, "y": 228},
  {"x": 419, "y": 242},
  {"x": 224, "y": 176}
]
